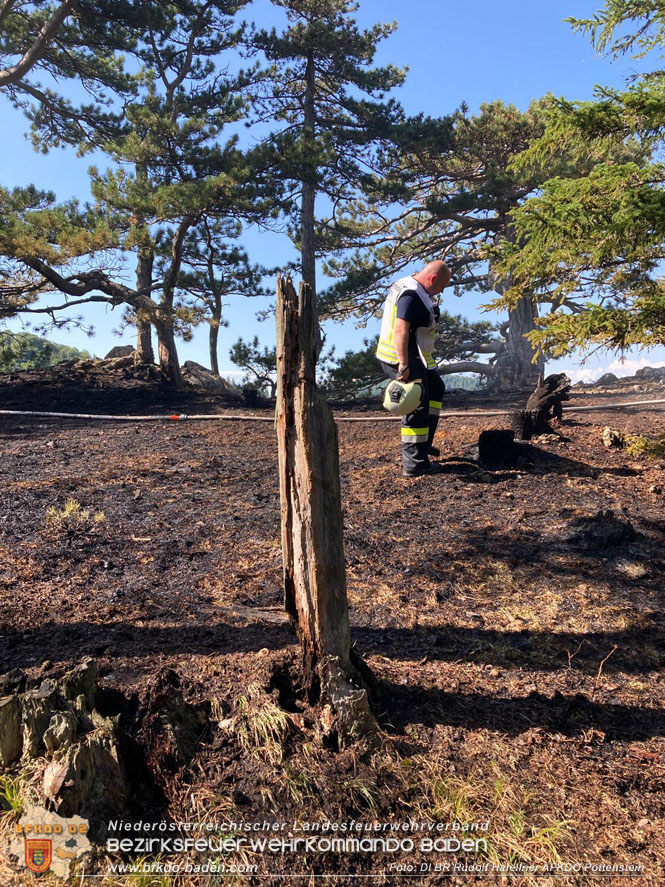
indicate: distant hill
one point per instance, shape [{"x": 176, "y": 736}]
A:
[{"x": 23, "y": 351}]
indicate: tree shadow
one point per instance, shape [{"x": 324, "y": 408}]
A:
[
  {"x": 528, "y": 459},
  {"x": 638, "y": 650},
  {"x": 70, "y": 641},
  {"x": 573, "y": 715}
]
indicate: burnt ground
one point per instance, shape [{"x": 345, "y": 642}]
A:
[{"x": 517, "y": 650}]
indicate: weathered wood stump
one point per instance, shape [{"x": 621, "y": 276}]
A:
[
  {"x": 312, "y": 527},
  {"x": 544, "y": 404}
]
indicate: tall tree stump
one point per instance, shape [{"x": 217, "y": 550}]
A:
[{"x": 312, "y": 527}]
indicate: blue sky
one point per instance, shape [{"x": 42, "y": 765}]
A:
[{"x": 472, "y": 51}]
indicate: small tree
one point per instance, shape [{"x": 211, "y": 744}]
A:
[
  {"x": 260, "y": 365},
  {"x": 214, "y": 268}
]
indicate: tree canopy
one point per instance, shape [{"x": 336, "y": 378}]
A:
[
  {"x": 325, "y": 101},
  {"x": 592, "y": 244},
  {"x": 447, "y": 190},
  {"x": 24, "y": 351},
  {"x": 170, "y": 169}
]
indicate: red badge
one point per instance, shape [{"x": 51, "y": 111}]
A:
[{"x": 38, "y": 854}]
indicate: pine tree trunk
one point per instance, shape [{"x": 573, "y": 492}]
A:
[
  {"x": 312, "y": 528},
  {"x": 515, "y": 368},
  {"x": 215, "y": 321},
  {"x": 520, "y": 349},
  {"x": 144, "y": 352},
  {"x": 214, "y": 336},
  {"x": 308, "y": 254},
  {"x": 168, "y": 353}
]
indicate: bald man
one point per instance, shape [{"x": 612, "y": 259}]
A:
[{"x": 406, "y": 342}]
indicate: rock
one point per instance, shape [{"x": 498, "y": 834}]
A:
[
  {"x": 607, "y": 379},
  {"x": 200, "y": 377},
  {"x": 117, "y": 363},
  {"x": 120, "y": 351},
  {"x": 11, "y": 738},
  {"x": 657, "y": 374},
  {"x": 656, "y": 488},
  {"x": 612, "y": 438}
]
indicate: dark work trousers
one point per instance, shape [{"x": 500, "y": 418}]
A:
[{"x": 419, "y": 427}]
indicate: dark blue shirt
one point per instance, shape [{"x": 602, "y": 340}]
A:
[{"x": 410, "y": 307}]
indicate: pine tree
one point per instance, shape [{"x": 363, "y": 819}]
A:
[
  {"x": 449, "y": 192},
  {"x": 328, "y": 101},
  {"x": 170, "y": 171},
  {"x": 593, "y": 244},
  {"x": 216, "y": 267},
  {"x": 74, "y": 43},
  {"x": 259, "y": 365}
]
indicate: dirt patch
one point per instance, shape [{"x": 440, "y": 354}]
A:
[{"x": 518, "y": 674}]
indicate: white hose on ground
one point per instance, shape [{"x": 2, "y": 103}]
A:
[{"x": 231, "y": 417}]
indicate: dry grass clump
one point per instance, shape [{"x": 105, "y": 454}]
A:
[{"x": 73, "y": 519}]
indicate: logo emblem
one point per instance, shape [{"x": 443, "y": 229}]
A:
[{"x": 38, "y": 854}]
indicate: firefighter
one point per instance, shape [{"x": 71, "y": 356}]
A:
[{"x": 406, "y": 342}]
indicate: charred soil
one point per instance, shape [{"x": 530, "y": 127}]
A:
[{"x": 514, "y": 629}]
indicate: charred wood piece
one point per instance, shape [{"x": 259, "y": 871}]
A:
[{"x": 543, "y": 405}]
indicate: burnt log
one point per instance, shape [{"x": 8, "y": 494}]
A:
[
  {"x": 315, "y": 594},
  {"x": 544, "y": 404}
]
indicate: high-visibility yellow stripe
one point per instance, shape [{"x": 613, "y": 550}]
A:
[
  {"x": 435, "y": 404},
  {"x": 386, "y": 351},
  {"x": 414, "y": 432}
]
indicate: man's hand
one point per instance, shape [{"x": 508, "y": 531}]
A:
[{"x": 401, "y": 339}]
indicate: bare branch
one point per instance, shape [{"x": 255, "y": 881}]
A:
[
  {"x": 466, "y": 366},
  {"x": 479, "y": 347},
  {"x": 74, "y": 304}
]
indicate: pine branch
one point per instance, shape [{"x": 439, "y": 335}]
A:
[{"x": 12, "y": 76}]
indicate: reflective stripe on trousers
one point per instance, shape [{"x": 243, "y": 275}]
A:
[{"x": 419, "y": 427}]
